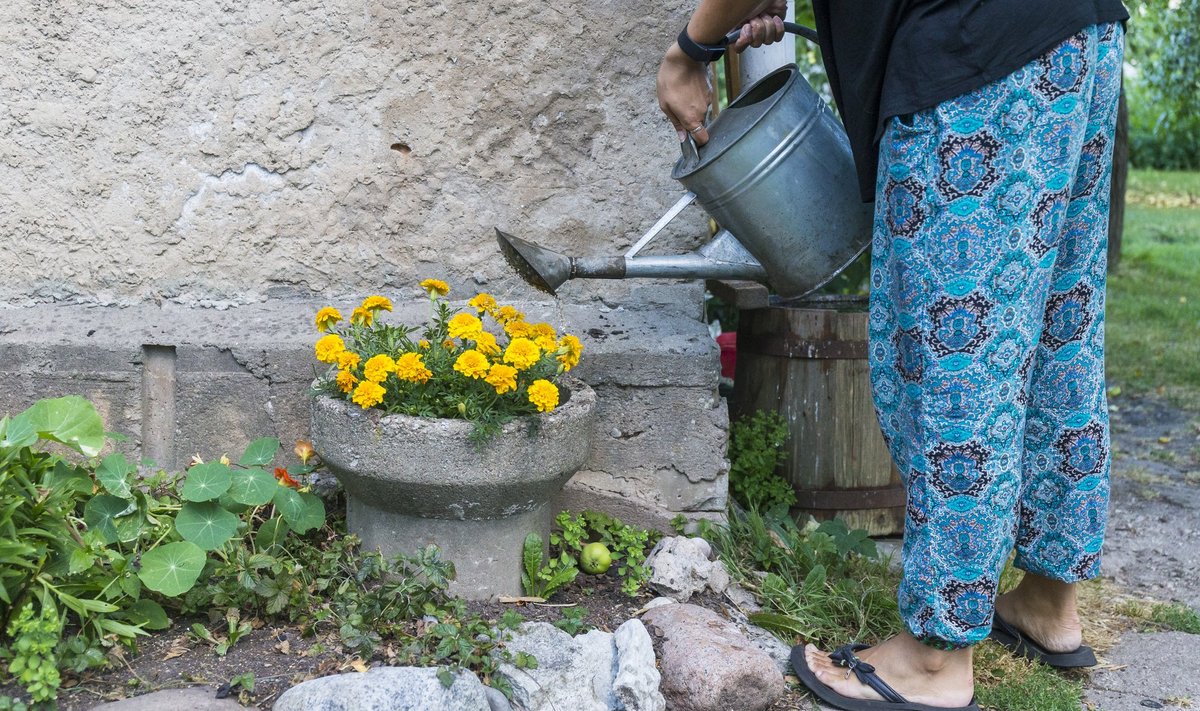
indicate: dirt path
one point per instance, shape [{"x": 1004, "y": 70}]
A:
[{"x": 1153, "y": 545}]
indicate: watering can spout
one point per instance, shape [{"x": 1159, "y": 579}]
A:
[{"x": 722, "y": 258}]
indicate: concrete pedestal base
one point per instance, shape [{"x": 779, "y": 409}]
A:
[{"x": 486, "y": 552}]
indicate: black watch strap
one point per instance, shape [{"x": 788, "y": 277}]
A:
[{"x": 704, "y": 53}]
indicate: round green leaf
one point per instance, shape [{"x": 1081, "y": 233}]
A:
[
  {"x": 112, "y": 475},
  {"x": 150, "y": 614},
  {"x": 113, "y": 518},
  {"x": 206, "y": 482},
  {"x": 172, "y": 569},
  {"x": 271, "y": 533},
  {"x": 314, "y": 513},
  {"x": 70, "y": 420},
  {"x": 253, "y": 487},
  {"x": 290, "y": 506},
  {"x": 205, "y": 524},
  {"x": 261, "y": 451}
]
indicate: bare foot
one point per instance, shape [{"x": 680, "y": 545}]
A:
[
  {"x": 1045, "y": 611},
  {"x": 921, "y": 674}
]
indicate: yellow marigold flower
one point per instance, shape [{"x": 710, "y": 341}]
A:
[
  {"x": 326, "y": 317},
  {"x": 569, "y": 349},
  {"x": 377, "y": 303},
  {"x": 377, "y": 368},
  {"x": 423, "y": 344},
  {"x": 368, "y": 394},
  {"x": 329, "y": 348},
  {"x": 504, "y": 314},
  {"x": 346, "y": 381},
  {"x": 522, "y": 353},
  {"x": 546, "y": 343},
  {"x": 482, "y": 302},
  {"x": 362, "y": 316},
  {"x": 518, "y": 329},
  {"x": 486, "y": 344},
  {"x": 544, "y": 395},
  {"x": 348, "y": 360},
  {"x": 435, "y": 286},
  {"x": 464, "y": 325},
  {"x": 472, "y": 364},
  {"x": 411, "y": 367},
  {"x": 544, "y": 329},
  {"x": 502, "y": 377}
]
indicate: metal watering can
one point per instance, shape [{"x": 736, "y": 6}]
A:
[{"x": 776, "y": 172}]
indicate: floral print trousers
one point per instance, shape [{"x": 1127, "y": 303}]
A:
[{"x": 987, "y": 331}]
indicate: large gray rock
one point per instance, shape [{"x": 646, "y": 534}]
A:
[
  {"x": 637, "y": 681},
  {"x": 572, "y": 673},
  {"x": 680, "y": 567},
  {"x": 386, "y": 689},
  {"x": 708, "y": 665},
  {"x": 775, "y": 648}
]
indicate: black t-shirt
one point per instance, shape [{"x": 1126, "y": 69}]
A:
[{"x": 892, "y": 57}]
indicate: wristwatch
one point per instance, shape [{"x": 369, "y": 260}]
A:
[{"x": 703, "y": 53}]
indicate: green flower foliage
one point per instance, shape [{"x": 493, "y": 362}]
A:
[{"x": 755, "y": 452}]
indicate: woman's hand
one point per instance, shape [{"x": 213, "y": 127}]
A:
[
  {"x": 683, "y": 90},
  {"x": 684, "y": 94}
]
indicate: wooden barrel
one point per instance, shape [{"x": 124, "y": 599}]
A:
[{"x": 807, "y": 360}]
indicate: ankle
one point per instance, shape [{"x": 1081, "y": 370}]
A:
[{"x": 931, "y": 660}]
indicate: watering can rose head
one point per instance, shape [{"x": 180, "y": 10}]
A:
[{"x": 483, "y": 363}]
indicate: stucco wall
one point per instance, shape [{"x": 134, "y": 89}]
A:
[{"x": 214, "y": 153}]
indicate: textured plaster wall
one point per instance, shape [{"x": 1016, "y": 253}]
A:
[{"x": 213, "y": 153}]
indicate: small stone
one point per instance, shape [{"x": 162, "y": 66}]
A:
[
  {"x": 480, "y": 278},
  {"x": 196, "y": 698},
  {"x": 571, "y": 673},
  {"x": 718, "y": 578},
  {"x": 680, "y": 567},
  {"x": 497, "y": 700}
]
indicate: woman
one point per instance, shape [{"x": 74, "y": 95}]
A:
[{"x": 983, "y": 132}]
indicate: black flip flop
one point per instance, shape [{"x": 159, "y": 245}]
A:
[
  {"x": 845, "y": 657},
  {"x": 1012, "y": 639}
]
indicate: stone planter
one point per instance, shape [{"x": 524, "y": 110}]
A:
[{"x": 414, "y": 481}]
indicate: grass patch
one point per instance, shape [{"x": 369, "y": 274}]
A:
[
  {"x": 1161, "y": 616},
  {"x": 1154, "y": 295},
  {"x": 1003, "y": 681}
]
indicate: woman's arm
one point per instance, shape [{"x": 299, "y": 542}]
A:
[{"x": 683, "y": 90}]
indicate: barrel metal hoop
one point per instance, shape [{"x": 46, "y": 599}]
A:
[
  {"x": 884, "y": 497},
  {"x": 789, "y": 346}
]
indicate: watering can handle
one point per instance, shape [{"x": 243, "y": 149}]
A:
[{"x": 806, "y": 32}]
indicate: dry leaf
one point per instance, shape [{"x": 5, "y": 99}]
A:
[
  {"x": 284, "y": 647},
  {"x": 178, "y": 648},
  {"x": 359, "y": 665},
  {"x": 519, "y": 600}
]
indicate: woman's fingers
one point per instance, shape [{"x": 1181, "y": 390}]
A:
[
  {"x": 684, "y": 94},
  {"x": 758, "y": 31}
]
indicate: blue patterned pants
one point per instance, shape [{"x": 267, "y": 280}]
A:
[{"x": 987, "y": 331}]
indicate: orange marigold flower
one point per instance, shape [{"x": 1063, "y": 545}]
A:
[
  {"x": 329, "y": 348},
  {"x": 348, "y": 360},
  {"x": 326, "y": 317},
  {"x": 282, "y": 476},
  {"x": 377, "y": 303},
  {"x": 435, "y": 286},
  {"x": 486, "y": 344},
  {"x": 522, "y": 353},
  {"x": 368, "y": 394},
  {"x": 464, "y": 325},
  {"x": 362, "y": 317},
  {"x": 569, "y": 349},
  {"x": 502, "y": 377},
  {"x": 377, "y": 368},
  {"x": 346, "y": 381},
  {"x": 504, "y": 314},
  {"x": 411, "y": 367},
  {"x": 544, "y": 395},
  {"x": 482, "y": 302},
  {"x": 472, "y": 364}
]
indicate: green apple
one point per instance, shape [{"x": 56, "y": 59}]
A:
[{"x": 595, "y": 558}]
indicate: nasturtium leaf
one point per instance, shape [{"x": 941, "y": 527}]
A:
[
  {"x": 112, "y": 475},
  {"x": 17, "y": 432},
  {"x": 289, "y": 505},
  {"x": 206, "y": 482},
  {"x": 113, "y": 518},
  {"x": 253, "y": 487},
  {"x": 261, "y": 451},
  {"x": 71, "y": 420},
  {"x": 172, "y": 569},
  {"x": 131, "y": 585},
  {"x": 313, "y": 516},
  {"x": 68, "y": 478},
  {"x": 150, "y": 614},
  {"x": 271, "y": 533},
  {"x": 228, "y": 503},
  {"x": 206, "y": 524}
]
